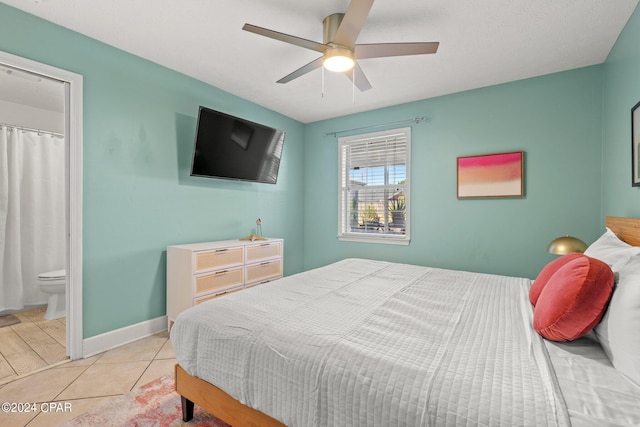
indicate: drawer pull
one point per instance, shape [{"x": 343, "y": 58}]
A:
[
  {"x": 221, "y": 250},
  {"x": 265, "y": 263},
  {"x": 222, "y": 272}
]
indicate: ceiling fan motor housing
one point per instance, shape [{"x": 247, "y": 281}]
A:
[
  {"x": 330, "y": 25},
  {"x": 337, "y": 58}
]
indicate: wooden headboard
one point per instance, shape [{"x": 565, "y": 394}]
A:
[{"x": 627, "y": 229}]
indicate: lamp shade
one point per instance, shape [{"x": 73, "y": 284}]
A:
[{"x": 566, "y": 245}]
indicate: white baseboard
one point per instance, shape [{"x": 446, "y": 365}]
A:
[{"x": 103, "y": 342}]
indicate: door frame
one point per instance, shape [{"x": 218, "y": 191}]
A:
[{"x": 73, "y": 139}]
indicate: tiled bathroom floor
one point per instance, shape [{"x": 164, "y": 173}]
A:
[
  {"x": 33, "y": 344},
  {"x": 87, "y": 383}
]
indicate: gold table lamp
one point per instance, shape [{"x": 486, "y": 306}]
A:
[{"x": 566, "y": 245}]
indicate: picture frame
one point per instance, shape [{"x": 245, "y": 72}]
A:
[
  {"x": 635, "y": 145},
  {"x": 496, "y": 175}
]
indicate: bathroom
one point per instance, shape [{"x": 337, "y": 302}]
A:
[{"x": 33, "y": 205}]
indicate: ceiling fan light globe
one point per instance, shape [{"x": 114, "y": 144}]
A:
[
  {"x": 338, "y": 60},
  {"x": 338, "y": 64}
]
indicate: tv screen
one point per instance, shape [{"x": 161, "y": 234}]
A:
[{"x": 229, "y": 147}]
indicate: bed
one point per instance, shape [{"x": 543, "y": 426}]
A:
[{"x": 362, "y": 342}]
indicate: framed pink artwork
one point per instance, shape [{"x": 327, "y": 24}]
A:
[{"x": 491, "y": 175}]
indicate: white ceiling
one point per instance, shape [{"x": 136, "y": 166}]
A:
[
  {"x": 20, "y": 87},
  {"x": 482, "y": 43}
]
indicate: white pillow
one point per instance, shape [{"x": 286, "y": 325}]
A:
[
  {"x": 619, "y": 330},
  {"x": 610, "y": 249}
]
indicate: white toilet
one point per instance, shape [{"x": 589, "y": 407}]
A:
[{"x": 53, "y": 283}]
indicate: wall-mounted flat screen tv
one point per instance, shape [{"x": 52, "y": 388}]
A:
[{"x": 229, "y": 147}]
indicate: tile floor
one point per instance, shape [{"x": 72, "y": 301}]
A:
[
  {"x": 87, "y": 383},
  {"x": 31, "y": 345}
]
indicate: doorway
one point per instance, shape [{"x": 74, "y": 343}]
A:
[{"x": 72, "y": 134}]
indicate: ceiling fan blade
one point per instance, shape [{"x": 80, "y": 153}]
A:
[
  {"x": 379, "y": 50},
  {"x": 352, "y": 23},
  {"x": 316, "y": 63},
  {"x": 308, "y": 44},
  {"x": 358, "y": 78}
]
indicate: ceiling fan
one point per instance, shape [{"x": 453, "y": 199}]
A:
[{"x": 339, "y": 49}]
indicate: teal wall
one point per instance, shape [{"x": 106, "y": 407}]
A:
[
  {"x": 555, "y": 119},
  {"x": 621, "y": 93},
  {"x": 139, "y": 126}
]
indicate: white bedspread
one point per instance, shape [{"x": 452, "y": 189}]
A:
[
  {"x": 369, "y": 343},
  {"x": 596, "y": 394}
]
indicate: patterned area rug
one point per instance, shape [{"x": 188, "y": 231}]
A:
[
  {"x": 155, "y": 404},
  {"x": 8, "y": 320}
]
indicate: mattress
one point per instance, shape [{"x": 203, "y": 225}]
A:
[{"x": 373, "y": 343}]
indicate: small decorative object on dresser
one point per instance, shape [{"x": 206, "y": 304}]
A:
[
  {"x": 258, "y": 234},
  {"x": 199, "y": 272}
]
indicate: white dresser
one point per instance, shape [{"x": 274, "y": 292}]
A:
[{"x": 201, "y": 271}]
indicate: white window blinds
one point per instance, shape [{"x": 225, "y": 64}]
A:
[{"x": 374, "y": 186}]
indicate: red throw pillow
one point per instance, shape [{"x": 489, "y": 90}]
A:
[
  {"x": 574, "y": 299},
  {"x": 546, "y": 273}
]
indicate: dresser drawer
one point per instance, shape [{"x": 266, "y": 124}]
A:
[
  {"x": 210, "y": 282},
  {"x": 264, "y": 251},
  {"x": 262, "y": 282},
  {"x": 263, "y": 271},
  {"x": 218, "y": 259},
  {"x": 214, "y": 296}
]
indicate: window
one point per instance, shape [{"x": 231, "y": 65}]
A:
[{"x": 374, "y": 187}]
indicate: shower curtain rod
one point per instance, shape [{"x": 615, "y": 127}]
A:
[
  {"x": 32, "y": 130},
  {"x": 414, "y": 120}
]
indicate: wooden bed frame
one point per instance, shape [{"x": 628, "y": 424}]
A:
[
  {"x": 226, "y": 408},
  {"x": 627, "y": 229},
  {"x": 217, "y": 402}
]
